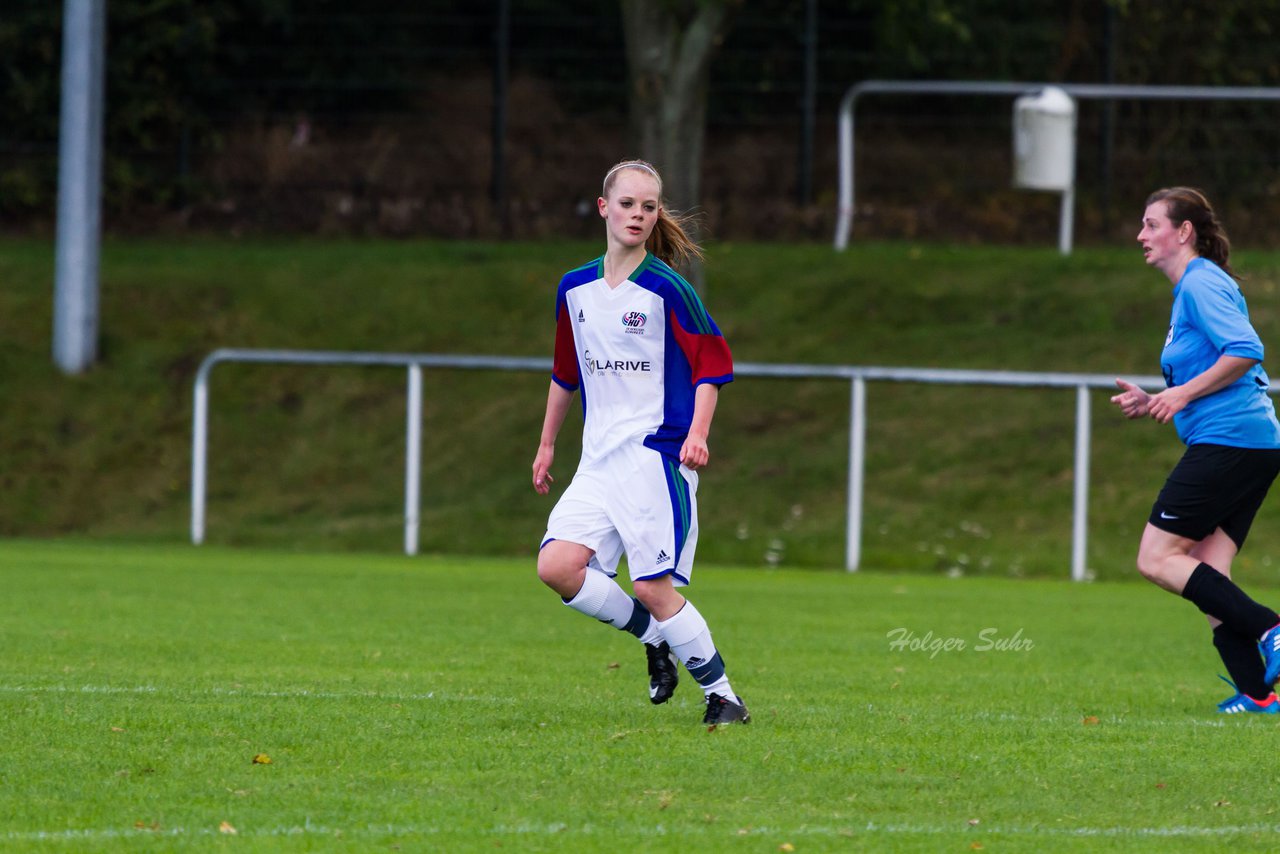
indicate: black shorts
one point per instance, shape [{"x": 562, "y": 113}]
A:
[{"x": 1215, "y": 486}]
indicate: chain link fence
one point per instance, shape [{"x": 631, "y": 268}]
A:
[{"x": 321, "y": 119}]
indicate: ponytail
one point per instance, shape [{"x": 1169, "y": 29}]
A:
[{"x": 669, "y": 240}]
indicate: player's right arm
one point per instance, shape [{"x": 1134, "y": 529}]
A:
[
  {"x": 1132, "y": 400},
  {"x": 558, "y": 400},
  {"x": 565, "y": 377}
]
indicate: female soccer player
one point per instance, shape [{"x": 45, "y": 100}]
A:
[
  {"x": 650, "y": 362},
  {"x": 1216, "y": 396}
]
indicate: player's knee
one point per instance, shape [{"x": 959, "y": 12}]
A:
[
  {"x": 1151, "y": 566},
  {"x": 559, "y": 573},
  {"x": 550, "y": 571},
  {"x": 658, "y": 596}
]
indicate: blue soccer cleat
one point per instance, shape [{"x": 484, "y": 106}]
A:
[
  {"x": 1245, "y": 703},
  {"x": 1269, "y": 646},
  {"x": 1242, "y": 702}
]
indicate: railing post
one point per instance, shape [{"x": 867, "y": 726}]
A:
[
  {"x": 413, "y": 460},
  {"x": 857, "y": 466},
  {"x": 199, "y": 452},
  {"x": 1066, "y": 219},
  {"x": 847, "y": 139},
  {"x": 1080, "y": 511}
]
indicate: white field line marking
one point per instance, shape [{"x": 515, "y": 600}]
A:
[
  {"x": 392, "y": 696},
  {"x": 561, "y": 829}
]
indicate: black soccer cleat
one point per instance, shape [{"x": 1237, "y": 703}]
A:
[
  {"x": 663, "y": 672},
  {"x": 722, "y": 711}
]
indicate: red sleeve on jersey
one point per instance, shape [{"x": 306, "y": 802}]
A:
[
  {"x": 564, "y": 364},
  {"x": 708, "y": 355}
]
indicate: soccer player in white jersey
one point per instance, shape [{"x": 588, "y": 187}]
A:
[{"x": 634, "y": 338}]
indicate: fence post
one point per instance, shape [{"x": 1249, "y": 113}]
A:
[
  {"x": 857, "y": 465},
  {"x": 1080, "y": 511},
  {"x": 413, "y": 460},
  {"x": 199, "y": 453}
]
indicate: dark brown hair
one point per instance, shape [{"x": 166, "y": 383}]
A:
[
  {"x": 669, "y": 240},
  {"x": 1187, "y": 204}
]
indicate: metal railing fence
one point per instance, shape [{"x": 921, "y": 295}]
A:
[
  {"x": 856, "y": 376},
  {"x": 846, "y": 135}
]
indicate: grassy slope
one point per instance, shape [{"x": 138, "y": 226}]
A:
[
  {"x": 962, "y": 479},
  {"x": 449, "y": 703}
]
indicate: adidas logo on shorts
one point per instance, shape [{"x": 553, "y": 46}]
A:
[{"x": 663, "y": 557}]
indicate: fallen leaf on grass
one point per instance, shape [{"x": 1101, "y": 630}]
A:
[
  {"x": 261, "y": 759},
  {"x": 226, "y": 828},
  {"x": 1090, "y": 720},
  {"x": 786, "y": 846},
  {"x": 613, "y": 665},
  {"x": 1222, "y": 803}
]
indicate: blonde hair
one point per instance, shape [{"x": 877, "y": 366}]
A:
[{"x": 669, "y": 240}]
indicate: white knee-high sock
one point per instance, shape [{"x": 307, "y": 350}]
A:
[
  {"x": 602, "y": 598},
  {"x": 690, "y": 640}
]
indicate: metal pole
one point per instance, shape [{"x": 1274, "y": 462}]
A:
[
  {"x": 501, "y": 70},
  {"x": 75, "y": 303},
  {"x": 857, "y": 466},
  {"x": 808, "y": 104},
  {"x": 1107, "y": 130},
  {"x": 1080, "y": 511},
  {"x": 199, "y": 453},
  {"x": 1066, "y": 217},
  {"x": 413, "y": 460},
  {"x": 845, "y": 130}
]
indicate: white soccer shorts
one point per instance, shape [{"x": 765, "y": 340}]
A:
[{"x": 635, "y": 501}]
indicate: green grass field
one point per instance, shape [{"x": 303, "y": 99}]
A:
[{"x": 453, "y": 704}]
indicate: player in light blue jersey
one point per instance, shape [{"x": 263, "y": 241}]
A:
[
  {"x": 635, "y": 340},
  {"x": 1216, "y": 395}
]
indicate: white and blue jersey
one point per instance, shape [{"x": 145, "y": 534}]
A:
[
  {"x": 1209, "y": 320},
  {"x": 637, "y": 352}
]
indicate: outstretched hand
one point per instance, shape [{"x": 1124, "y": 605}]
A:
[{"x": 1133, "y": 401}]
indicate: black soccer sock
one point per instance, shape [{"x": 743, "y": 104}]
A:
[
  {"x": 1239, "y": 655},
  {"x": 1218, "y": 596}
]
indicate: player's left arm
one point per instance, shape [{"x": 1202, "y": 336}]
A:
[
  {"x": 694, "y": 452},
  {"x": 1222, "y": 373},
  {"x": 1215, "y": 312}
]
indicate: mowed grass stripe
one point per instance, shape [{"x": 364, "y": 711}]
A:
[{"x": 455, "y": 701}]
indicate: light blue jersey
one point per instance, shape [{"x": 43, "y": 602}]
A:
[{"x": 1210, "y": 320}]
